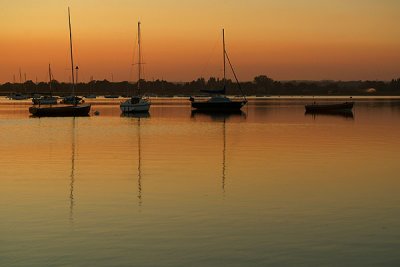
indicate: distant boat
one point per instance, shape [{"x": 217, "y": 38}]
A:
[
  {"x": 72, "y": 100},
  {"x": 111, "y": 96},
  {"x": 46, "y": 100},
  {"x": 90, "y": 96},
  {"x": 137, "y": 103},
  {"x": 334, "y": 107},
  {"x": 18, "y": 96},
  {"x": 74, "y": 108},
  {"x": 219, "y": 102}
]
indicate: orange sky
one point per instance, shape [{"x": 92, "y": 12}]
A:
[{"x": 296, "y": 39}]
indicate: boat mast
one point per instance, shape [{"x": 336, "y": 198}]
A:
[
  {"x": 140, "y": 60},
  {"x": 25, "y": 82},
  {"x": 50, "y": 78},
  {"x": 234, "y": 74},
  {"x": 224, "y": 60},
  {"x": 72, "y": 56}
]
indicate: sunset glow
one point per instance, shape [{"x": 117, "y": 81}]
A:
[{"x": 309, "y": 39}]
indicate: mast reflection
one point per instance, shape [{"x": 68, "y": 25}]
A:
[
  {"x": 220, "y": 117},
  {"x": 138, "y": 116},
  {"x": 72, "y": 175},
  {"x": 139, "y": 165}
]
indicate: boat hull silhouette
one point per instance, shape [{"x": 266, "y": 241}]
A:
[
  {"x": 61, "y": 111},
  {"x": 327, "y": 108},
  {"x": 210, "y": 106}
]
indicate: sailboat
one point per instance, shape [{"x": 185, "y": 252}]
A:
[
  {"x": 137, "y": 103},
  {"x": 19, "y": 96},
  {"x": 71, "y": 110},
  {"x": 46, "y": 100},
  {"x": 91, "y": 94},
  {"x": 219, "y": 102}
]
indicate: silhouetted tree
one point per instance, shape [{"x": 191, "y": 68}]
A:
[
  {"x": 264, "y": 83},
  {"x": 395, "y": 84}
]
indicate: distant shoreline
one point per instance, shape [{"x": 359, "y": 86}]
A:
[
  {"x": 253, "y": 100},
  {"x": 260, "y": 86}
]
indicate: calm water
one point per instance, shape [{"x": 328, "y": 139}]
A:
[{"x": 269, "y": 187}]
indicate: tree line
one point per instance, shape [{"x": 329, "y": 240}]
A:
[{"x": 261, "y": 85}]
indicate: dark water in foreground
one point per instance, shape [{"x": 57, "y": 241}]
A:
[{"x": 269, "y": 187}]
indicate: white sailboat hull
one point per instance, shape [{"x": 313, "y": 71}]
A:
[
  {"x": 128, "y": 107},
  {"x": 44, "y": 101}
]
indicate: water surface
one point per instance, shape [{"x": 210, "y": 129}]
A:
[{"x": 269, "y": 187}]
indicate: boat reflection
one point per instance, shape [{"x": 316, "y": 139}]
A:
[
  {"x": 220, "y": 117},
  {"x": 136, "y": 115},
  {"x": 217, "y": 116},
  {"x": 348, "y": 114}
]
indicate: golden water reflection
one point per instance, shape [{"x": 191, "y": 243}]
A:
[{"x": 269, "y": 185}]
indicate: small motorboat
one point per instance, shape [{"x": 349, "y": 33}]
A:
[{"x": 334, "y": 107}]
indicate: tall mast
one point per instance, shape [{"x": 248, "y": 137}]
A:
[
  {"x": 224, "y": 53},
  {"x": 76, "y": 75},
  {"x": 50, "y": 78},
  {"x": 140, "y": 60},
  {"x": 72, "y": 56},
  {"x": 25, "y": 82}
]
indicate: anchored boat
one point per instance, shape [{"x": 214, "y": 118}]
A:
[
  {"x": 219, "y": 102},
  {"x": 46, "y": 99},
  {"x": 137, "y": 103},
  {"x": 334, "y": 107},
  {"x": 74, "y": 109}
]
